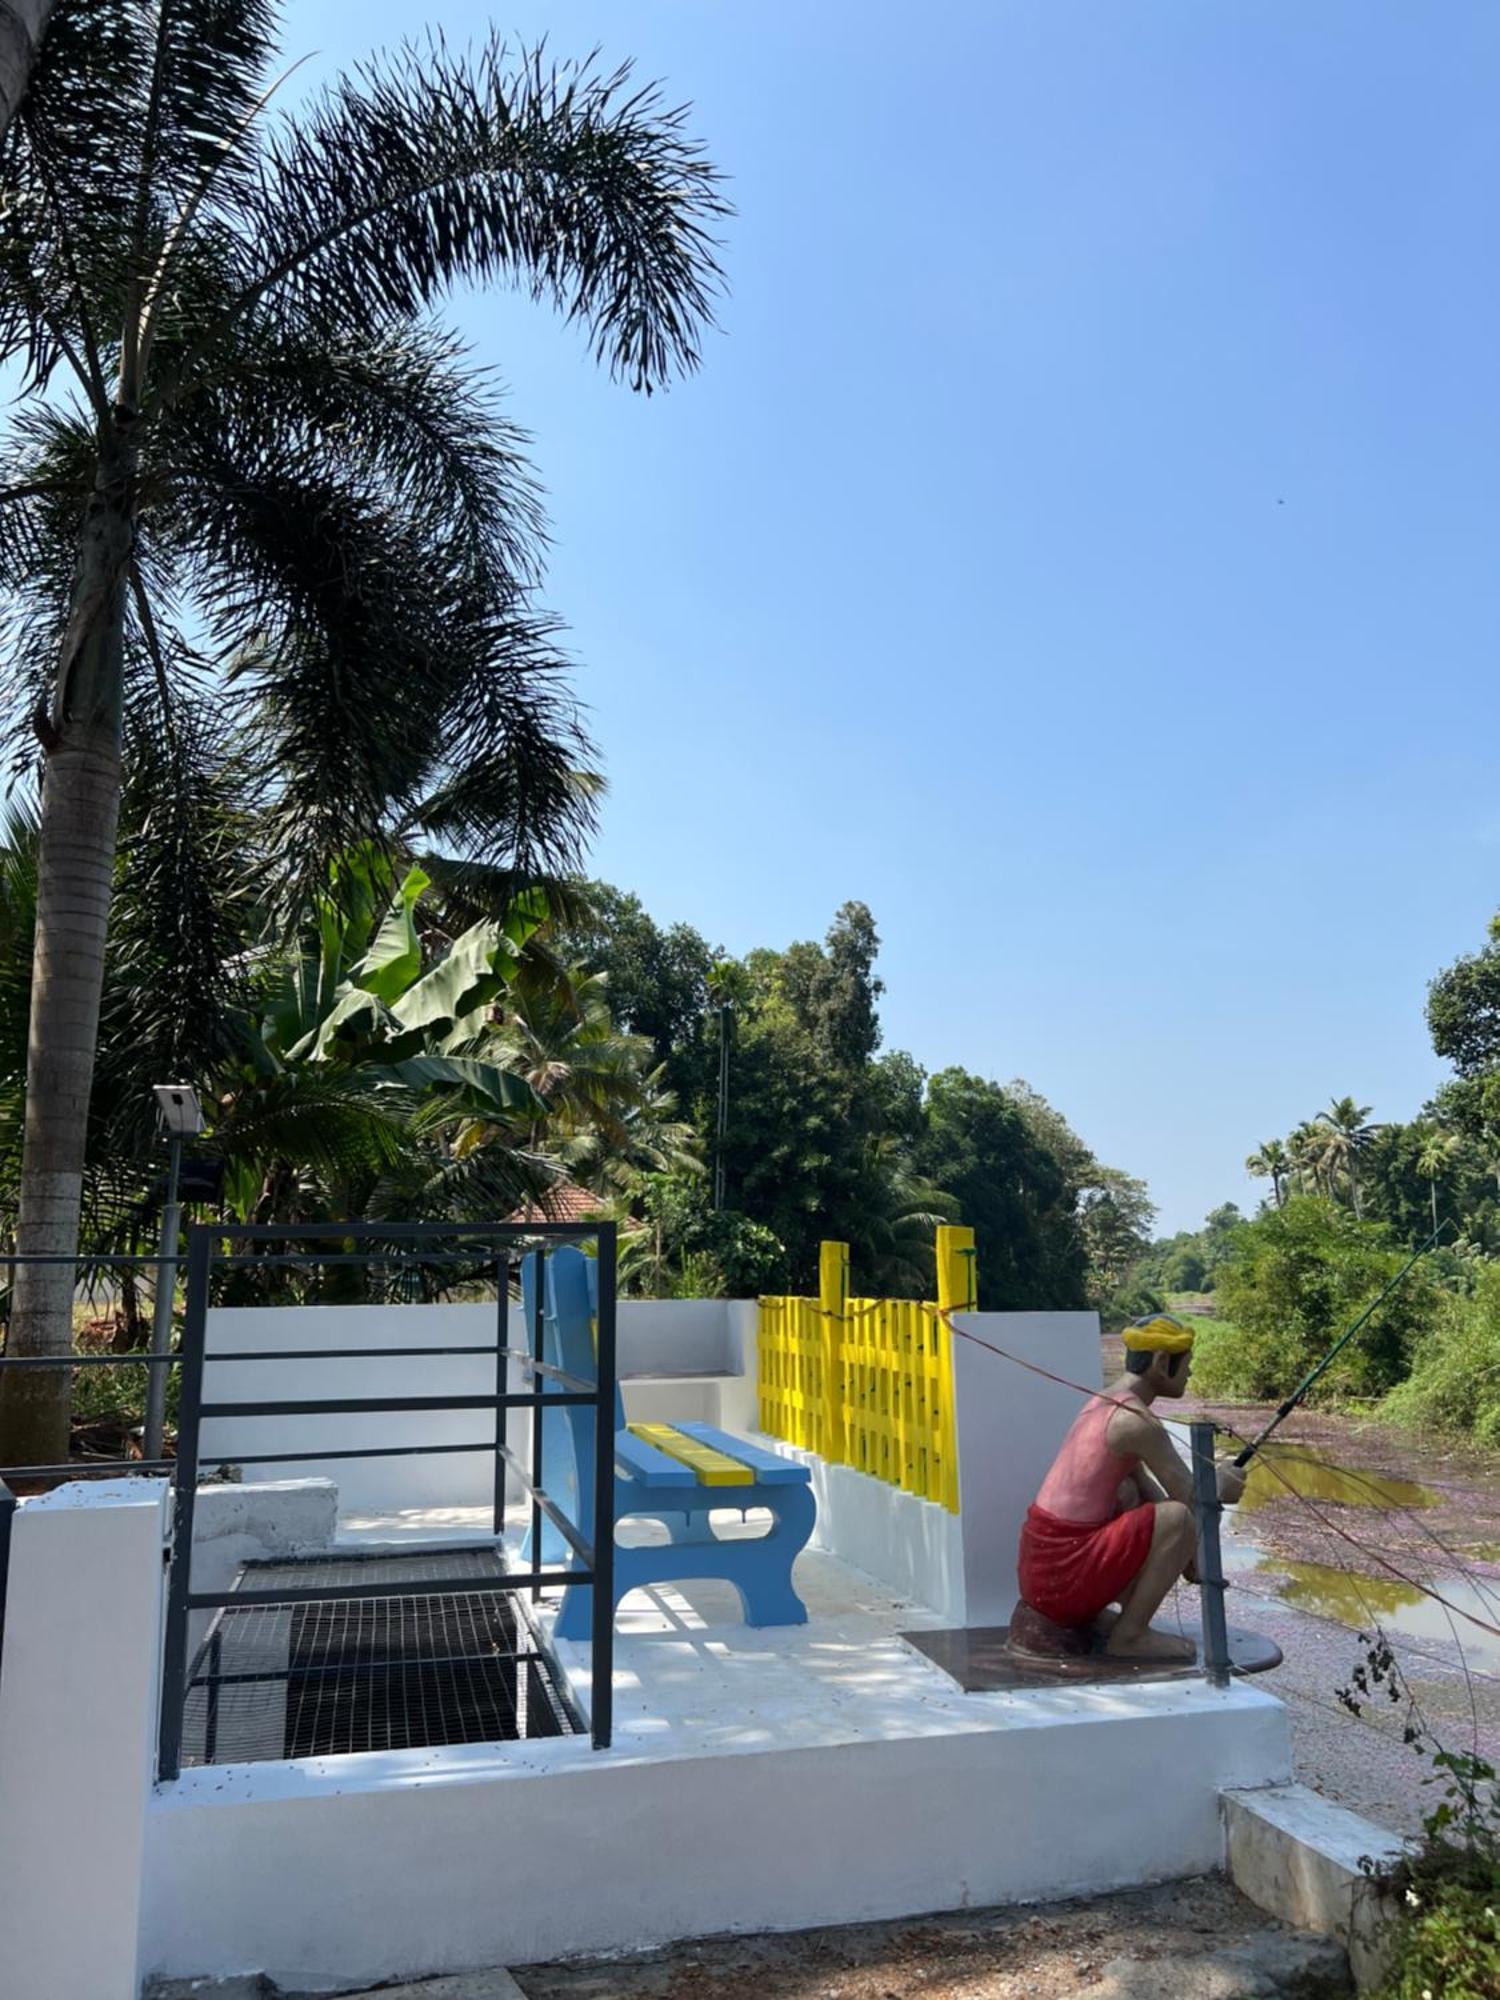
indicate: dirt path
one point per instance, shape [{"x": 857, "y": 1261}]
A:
[{"x": 1186, "y": 1941}]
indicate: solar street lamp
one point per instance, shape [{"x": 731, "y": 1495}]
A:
[{"x": 182, "y": 1119}]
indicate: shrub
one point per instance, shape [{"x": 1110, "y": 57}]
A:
[
  {"x": 1444, "y": 1940},
  {"x": 1298, "y": 1276},
  {"x": 1447, "y": 1944},
  {"x": 1455, "y": 1379}
]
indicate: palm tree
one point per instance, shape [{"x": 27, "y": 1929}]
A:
[
  {"x": 1345, "y": 1137},
  {"x": 1271, "y": 1158},
  {"x": 238, "y": 424},
  {"x": 22, "y": 25},
  {"x": 1435, "y": 1153},
  {"x": 1305, "y": 1148}
]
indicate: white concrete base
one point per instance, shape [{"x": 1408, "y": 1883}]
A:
[
  {"x": 1297, "y": 1855},
  {"x": 915, "y": 1548},
  {"x": 234, "y": 1524},
  {"x": 78, "y": 1708},
  {"x": 818, "y": 1774}
]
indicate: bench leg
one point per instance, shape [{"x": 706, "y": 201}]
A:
[
  {"x": 759, "y": 1569},
  {"x": 766, "y": 1586}
]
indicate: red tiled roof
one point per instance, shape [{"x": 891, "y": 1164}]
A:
[{"x": 564, "y": 1201}]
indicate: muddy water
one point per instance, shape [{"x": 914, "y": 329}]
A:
[{"x": 1360, "y": 1590}]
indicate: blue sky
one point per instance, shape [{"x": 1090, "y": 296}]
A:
[{"x": 1080, "y": 541}]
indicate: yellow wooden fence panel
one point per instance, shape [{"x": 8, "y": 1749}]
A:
[{"x": 869, "y": 1382}]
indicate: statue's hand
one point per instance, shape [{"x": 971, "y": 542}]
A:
[{"x": 1231, "y": 1483}]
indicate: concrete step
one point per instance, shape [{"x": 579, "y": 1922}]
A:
[{"x": 1301, "y": 1858}]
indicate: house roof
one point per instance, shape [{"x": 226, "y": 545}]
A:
[{"x": 564, "y": 1201}]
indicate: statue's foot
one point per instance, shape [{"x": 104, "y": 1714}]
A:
[
  {"x": 1165, "y": 1647},
  {"x": 1036, "y": 1637}
]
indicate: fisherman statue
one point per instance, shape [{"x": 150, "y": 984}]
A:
[{"x": 1113, "y": 1525}]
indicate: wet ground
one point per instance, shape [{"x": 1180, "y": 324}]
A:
[{"x": 1350, "y": 1526}]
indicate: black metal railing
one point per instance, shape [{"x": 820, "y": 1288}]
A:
[
  {"x": 505, "y": 1245},
  {"x": 495, "y": 1248}
]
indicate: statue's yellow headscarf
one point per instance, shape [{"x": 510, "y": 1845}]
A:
[{"x": 1158, "y": 1333}]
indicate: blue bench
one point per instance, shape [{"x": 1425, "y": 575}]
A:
[{"x": 675, "y": 1473}]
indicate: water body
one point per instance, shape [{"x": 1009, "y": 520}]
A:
[{"x": 1362, "y": 1598}]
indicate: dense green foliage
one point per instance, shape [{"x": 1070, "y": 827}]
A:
[
  {"x": 1191, "y": 1260},
  {"x": 826, "y": 1137},
  {"x": 1296, "y": 1278},
  {"x": 1454, "y": 1383},
  {"x": 1347, "y": 1200}
]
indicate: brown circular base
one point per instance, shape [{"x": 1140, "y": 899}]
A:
[{"x": 982, "y": 1660}]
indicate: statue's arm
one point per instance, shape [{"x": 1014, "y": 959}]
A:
[{"x": 1133, "y": 1435}]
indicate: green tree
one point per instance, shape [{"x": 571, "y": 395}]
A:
[
  {"x": 1346, "y": 1136},
  {"x": 1013, "y": 1191},
  {"x": 1114, "y": 1217},
  {"x": 1463, "y": 1009},
  {"x": 1435, "y": 1157},
  {"x": 240, "y": 433},
  {"x": 1297, "y": 1277},
  {"x": 658, "y": 979},
  {"x": 1272, "y": 1159}
]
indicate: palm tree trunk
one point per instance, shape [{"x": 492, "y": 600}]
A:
[
  {"x": 75, "y": 869},
  {"x": 22, "y": 25},
  {"x": 1354, "y": 1187},
  {"x": 1432, "y": 1185}
]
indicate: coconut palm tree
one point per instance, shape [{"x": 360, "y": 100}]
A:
[
  {"x": 1305, "y": 1148},
  {"x": 1435, "y": 1154},
  {"x": 1345, "y": 1136},
  {"x": 245, "y": 456},
  {"x": 1274, "y": 1160},
  {"x": 22, "y": 25}
]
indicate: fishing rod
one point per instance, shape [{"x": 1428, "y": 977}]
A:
[{"x": 1298, "y": 1394}]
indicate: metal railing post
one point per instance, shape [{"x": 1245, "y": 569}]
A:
[
  {"x": 1207, "y": 1508},
  {"x": 502, "y": 1381},
  {"x": 538, "y": 1421},
  {"x": 602, "y": 1666},
  {"x": 175, "y": 1657},
  {"x": 7, "y": 1515},
  {"x": 161, "y": 1315}
]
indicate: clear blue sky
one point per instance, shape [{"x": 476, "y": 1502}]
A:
[{"x": 1081, "y": 540}]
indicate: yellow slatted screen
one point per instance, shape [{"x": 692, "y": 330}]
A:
[{"x": 869, "y": 1382}]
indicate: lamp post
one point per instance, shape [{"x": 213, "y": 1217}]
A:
[
  {"x": 182, "y": 1117},
  {"x": 721, "y": 1135}
]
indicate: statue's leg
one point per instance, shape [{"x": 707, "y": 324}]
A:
[{"x": 1173, "y": 1538}]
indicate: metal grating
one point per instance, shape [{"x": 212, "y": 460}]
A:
[{"x": 382, "y": 1673}]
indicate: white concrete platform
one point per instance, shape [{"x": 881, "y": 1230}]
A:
[{"x": 758, "y": 1780}]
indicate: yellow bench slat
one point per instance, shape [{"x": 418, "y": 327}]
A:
[{"x": 713, "y": 1468}]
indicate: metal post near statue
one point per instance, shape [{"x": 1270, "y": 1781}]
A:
[
  {"x": 182, "y": 1117},
  {"x": 1210, "y": 1560}
]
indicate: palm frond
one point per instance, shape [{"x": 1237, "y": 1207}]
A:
[{"x": 576, "y": 183}]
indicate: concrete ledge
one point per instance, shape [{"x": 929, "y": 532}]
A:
[
  {"x": 1297, "y": 1856},
  {"x": 384, "y": 1865}
]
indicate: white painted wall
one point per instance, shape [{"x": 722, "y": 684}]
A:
[
  {"x": 381, "y": 1868},
  {"x": 680, "y": 1360},
  {"x": 674, "y": 1357},
  {"x": 78, "y": 1708},
  {"x": 234, "y": 1524},
  {"x": 1010, "y": 1424}
]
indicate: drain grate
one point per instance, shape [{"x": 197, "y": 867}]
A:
[{"x": 372, "y": 1673}]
